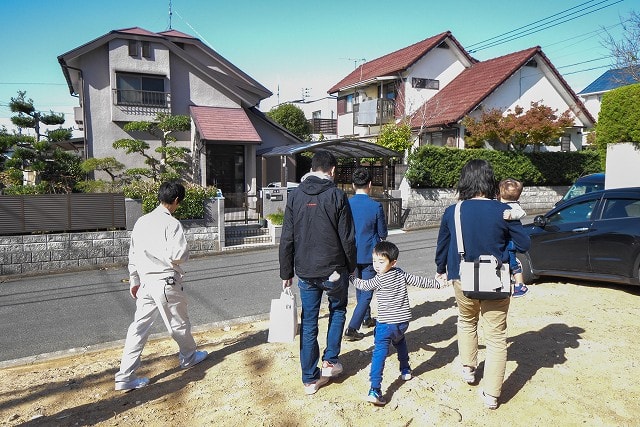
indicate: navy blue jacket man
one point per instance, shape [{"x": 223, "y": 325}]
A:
[{"x": 371, "y": 227}]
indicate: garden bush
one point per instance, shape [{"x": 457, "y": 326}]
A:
[{"x": 439, "y": 167}]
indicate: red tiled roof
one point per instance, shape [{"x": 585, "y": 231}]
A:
[
  {"x": 393, "y": 62},
  {"x": 468, "y": 90},
  {"x": 224, "y": 124}
]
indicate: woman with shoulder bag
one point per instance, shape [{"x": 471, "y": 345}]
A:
[{"x": 484, "y": 232}]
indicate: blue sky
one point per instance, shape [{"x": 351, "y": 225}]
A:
[{"x": 288, "y": 45}]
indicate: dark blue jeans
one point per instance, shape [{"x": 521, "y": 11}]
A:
[
  {"x": 362, "y": 311},
  {"x": 387, "y": 334},
  {"x": 311, "y": 291},
  {"x": 514, "y": 265}
]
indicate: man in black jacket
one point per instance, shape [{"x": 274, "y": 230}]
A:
[{"x": 318, "y": 245}]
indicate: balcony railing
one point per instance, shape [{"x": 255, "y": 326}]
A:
[
  {"x": 141, "y": 98},
  {"x": 384, "y": 113},
  {"x": 324, "y": 126}
]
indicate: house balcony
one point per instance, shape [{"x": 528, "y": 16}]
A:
[
  {"x": 139, "y": 105},
  {"x": 324, "y": 126},
  {"x": 141, "y": 98},
  {"x": 374, "y": 112}
]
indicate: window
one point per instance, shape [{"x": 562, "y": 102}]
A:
[
  {"x": 419, "y": 83},
  {"x": 316, "y": 114},
  {"x": 133, "y": 48},
  {"x": 146, "y": 49},
  {"x": 578, "y": 212},
  {"x": 621, "y": 208},
  {"x": 140, "y": 89},
  {"x": 444, "y": 138},
  {"x": 565, "y": 143},
  {"x": 388, "y": 91}
]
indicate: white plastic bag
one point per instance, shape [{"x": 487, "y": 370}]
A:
[{"x": 283, "y": 318}]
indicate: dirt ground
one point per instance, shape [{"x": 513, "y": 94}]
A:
[{"x": 572, "y": 361}]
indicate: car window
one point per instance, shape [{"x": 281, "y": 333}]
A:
[
  {"x": 580, "y": 189},
  {"x": 577, "y": 212},
  {"x": 621, "y": 208}
]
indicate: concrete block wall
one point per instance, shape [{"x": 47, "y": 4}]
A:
[
  {"x": 424, "y": 207},
  {"x": 27, "y": 254}
]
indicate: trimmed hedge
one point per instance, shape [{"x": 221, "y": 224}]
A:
[
  {"x": 439, "y": 167},
  {"x": 192, "y": 207}
]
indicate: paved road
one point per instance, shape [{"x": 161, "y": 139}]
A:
[{"x": 59, "y": 312}]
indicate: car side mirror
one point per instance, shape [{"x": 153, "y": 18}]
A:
[{"x": 540, "y": 221}]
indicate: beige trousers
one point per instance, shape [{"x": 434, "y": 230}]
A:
[
  {"x": 494, "y": 327},
  {"x": 171, "y": 304}
]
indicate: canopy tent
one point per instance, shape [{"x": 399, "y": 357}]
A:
[{"x": 343, "y": 147}]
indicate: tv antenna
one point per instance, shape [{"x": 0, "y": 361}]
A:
[
  {"x": 355, "y": 61},
  {"x": 170, "y": 14}
]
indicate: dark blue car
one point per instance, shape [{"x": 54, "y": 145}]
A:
[{"x": 595, "y": 237}]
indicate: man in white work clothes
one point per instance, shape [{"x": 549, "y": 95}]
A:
[{"x": 158, "y": 248}]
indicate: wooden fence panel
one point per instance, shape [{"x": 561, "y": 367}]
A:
[{"x": 48, "y": 213}]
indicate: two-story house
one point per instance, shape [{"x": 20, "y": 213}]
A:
[
  {"x": 132, "y": 74},
  {"x": 435, "y": 83},
  {"x": 322, "y": 115},
  {"x": 609, "y": 80}
]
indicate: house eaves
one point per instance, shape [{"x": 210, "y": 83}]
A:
[
  {"x": 469, "y": 89},
  {"x": 394, "y": 63},
  {"x": 235, "y": 82}
]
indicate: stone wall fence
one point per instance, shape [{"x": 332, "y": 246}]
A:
[{"x": 46, "y": 252}]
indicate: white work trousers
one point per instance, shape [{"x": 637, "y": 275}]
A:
[{"x": 171, "y": 303}]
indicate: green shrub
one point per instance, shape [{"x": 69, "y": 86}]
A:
[
  {"x": 276, "y": 218},
  {"x": 192, "y": 207},
  {"x": 439, "y": 167}
]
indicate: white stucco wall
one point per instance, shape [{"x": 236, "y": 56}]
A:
[
  {"x": 527, "y": 85},
  {"x": 593, "y": 103},
  {"x": 439, "y": 64}
]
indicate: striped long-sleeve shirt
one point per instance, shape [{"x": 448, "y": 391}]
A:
[{"x": 391, "y": 292}]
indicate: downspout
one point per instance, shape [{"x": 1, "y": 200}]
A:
[{"x": 82, "y": 104}]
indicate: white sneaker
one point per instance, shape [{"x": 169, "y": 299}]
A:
[
  {"x": 331, "y": 369},
  {"x": 198, "y": 357},
  {"x": 490, "y": 402},
  {"x": 311, "y": 388},
  {"x": 406, "y": 374},
  {"x": 133, "y": 384},
  {"x": 469, "y": 374}
]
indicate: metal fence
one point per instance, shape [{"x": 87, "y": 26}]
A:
[
  {"x": 392, "y": 209},
  {"x": 242, "y": 208},
  {"x": 61, "y": 212}
]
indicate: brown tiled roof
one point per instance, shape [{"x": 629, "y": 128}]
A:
[
  {"x": 224, "y": 124},
  {"x": 468, "y": 90},
  {"x": 394, "y": 62}
]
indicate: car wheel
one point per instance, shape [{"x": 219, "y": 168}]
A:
[{"x": 527, "y": 273}]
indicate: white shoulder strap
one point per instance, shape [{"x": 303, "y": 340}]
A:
[{"x": 456, "y": 216}]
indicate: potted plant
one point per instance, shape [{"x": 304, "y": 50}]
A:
[{"x": 274, "y": 222}]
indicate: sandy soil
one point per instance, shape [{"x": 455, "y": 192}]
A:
[{"x": 572, "y": 361}]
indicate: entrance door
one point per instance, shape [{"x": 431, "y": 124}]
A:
[{"x": 225, "y": 170}]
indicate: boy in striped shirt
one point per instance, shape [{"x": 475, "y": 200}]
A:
[{"x": 390, "y": 286}]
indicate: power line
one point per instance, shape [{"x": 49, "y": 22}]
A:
[
  {"x": 523, "y": 31},
  {"x": 528, "y": 25}
]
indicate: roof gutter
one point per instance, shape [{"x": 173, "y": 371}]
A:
[{"x": 80, "y": 97}]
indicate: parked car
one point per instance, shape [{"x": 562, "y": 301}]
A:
[
  {"x": 583, "y": 185},
  {"x": 595, "y": 236}
]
